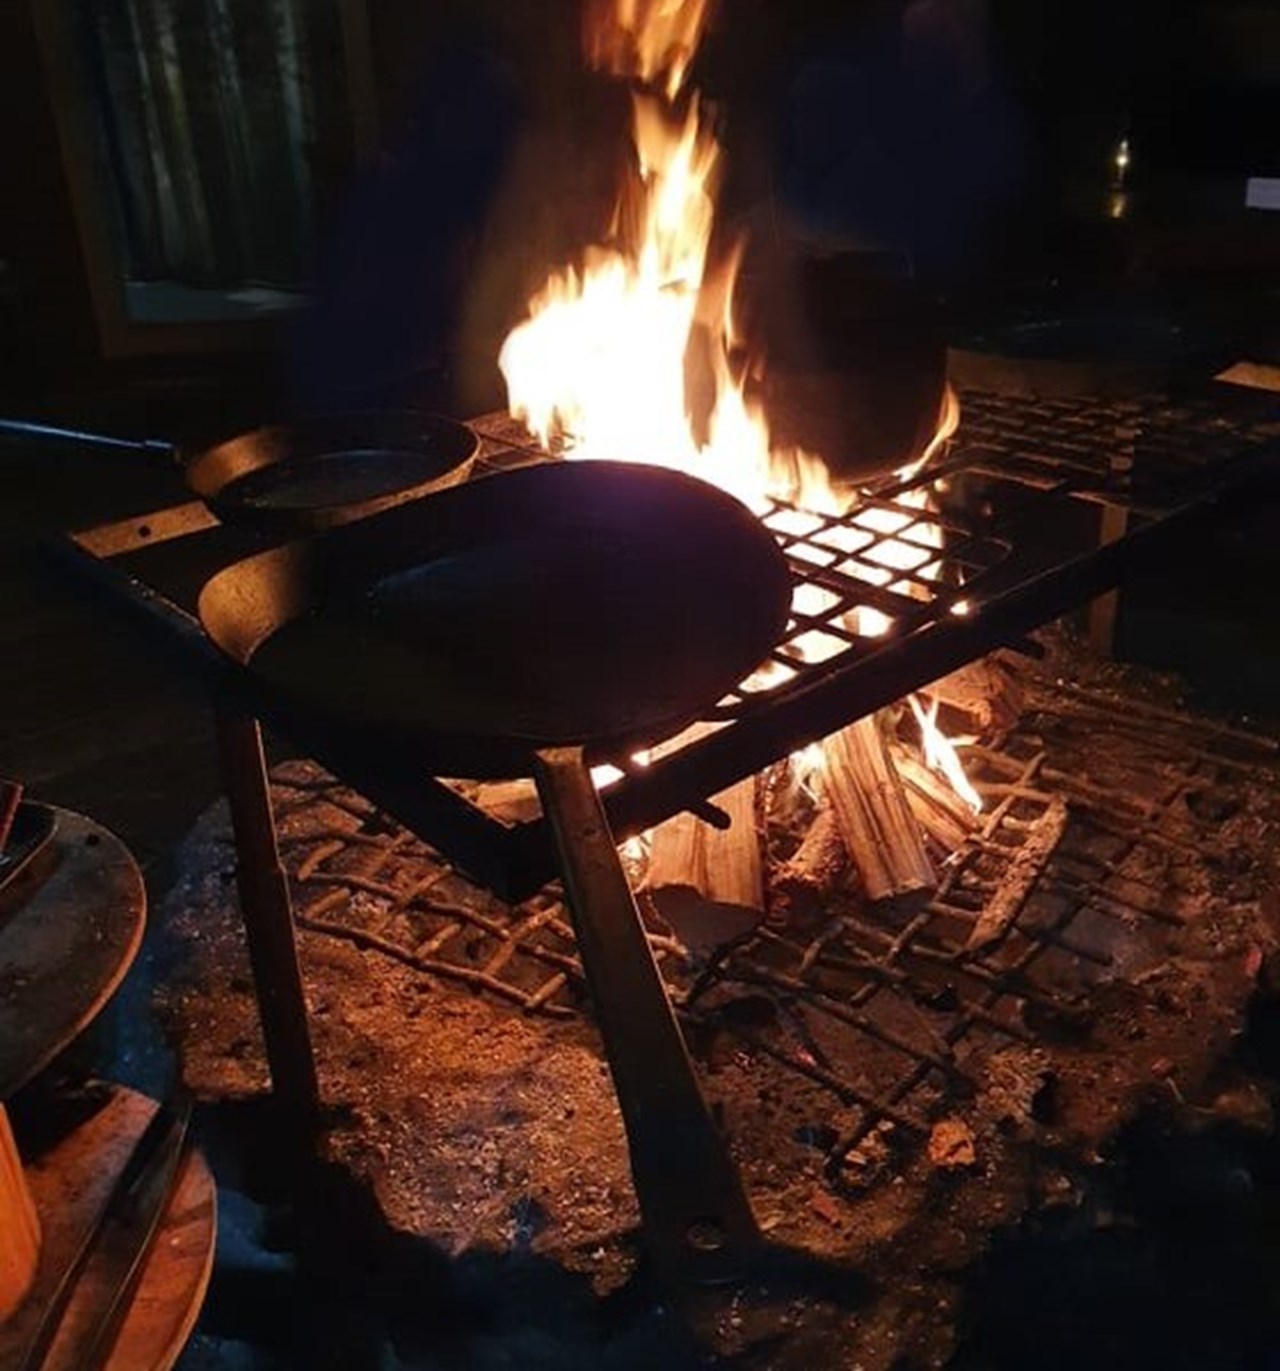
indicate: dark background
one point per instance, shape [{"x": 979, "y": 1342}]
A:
[
  {"x": 989, "y": 178},
  {"x": 972, "y": 139}
]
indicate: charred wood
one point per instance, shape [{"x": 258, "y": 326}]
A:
[{"x": 1024, "y": 871}]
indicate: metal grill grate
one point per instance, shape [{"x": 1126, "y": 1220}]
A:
[
  {"x": 1040, "y": 505},
  {"x": 1025, "y": 487},
  {"x": 890, "y": 1014},
  {"x": 1132, "y": 452},
  {"x": 885, "y": 556}
]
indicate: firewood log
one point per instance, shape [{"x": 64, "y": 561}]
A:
[
  {"x": 871, "y": 811},
  {"x": 803, "y": 885},
  {"x": 987, "y": 694},
  {"x": 942, "y": 814},
  {"x": 510, "y": 802},
  {"x": 724, "y": 866}
]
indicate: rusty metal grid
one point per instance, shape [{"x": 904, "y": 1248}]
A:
[
  {"x": 358, "y": 876},
  {"x": 895, "y": 1016},
  {"x": 1125, "y": 451},
  {"x": 887, "y": 1011}
]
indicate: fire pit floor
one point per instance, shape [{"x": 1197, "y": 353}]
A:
[{"x": 892, "y": 1098}]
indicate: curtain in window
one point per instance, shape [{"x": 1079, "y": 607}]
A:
[{"x": 206, "y": 122}]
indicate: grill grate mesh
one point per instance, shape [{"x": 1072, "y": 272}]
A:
[
  {"x": 889, "y": 1013},
  {"x": 988, "y": 513},
  {"x": 1028, "y": 494}
]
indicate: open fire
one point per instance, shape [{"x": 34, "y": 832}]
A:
[
  {"x": 851, "y": 1054},
  {"x": 600, "y": 364},
  {"x": 600, "y": 367}
]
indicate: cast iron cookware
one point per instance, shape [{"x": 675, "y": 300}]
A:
[
  {"x": 315, "y": 473},
  {"x": 1111, "y": 350},
  {"x": 516, "y": 624}
]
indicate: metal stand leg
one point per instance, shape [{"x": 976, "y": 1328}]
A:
[
  {"x": 268, "y": 915},
  {"x": 1112, "y": 526},
  {"x": 1103, "y": 612},
  {"x": 698, "y": 1224}
]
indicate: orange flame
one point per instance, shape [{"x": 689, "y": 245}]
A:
[
  {"x": 599, "y": 363},
  {"x": 653, "y": 41},
  {"x": 940, "y": 754}
]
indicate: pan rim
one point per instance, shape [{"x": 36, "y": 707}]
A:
[{"x": 446, "y": 448}]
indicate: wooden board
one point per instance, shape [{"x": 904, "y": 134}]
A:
[
  {"x": 65, "y": 947},
  {"x": 20, "y": 1250},
  {"x": 68, "y": 1184}
]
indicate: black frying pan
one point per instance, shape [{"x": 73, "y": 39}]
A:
[
  {"x": 312, "y": 474},
  {"x": 1101, "y": 353},
  {"x": 512, "y": 625}
]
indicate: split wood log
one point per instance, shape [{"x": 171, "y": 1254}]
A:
[
  {"x": 987, "y": 693},
  {"x": 723, "y": 866},
  {"x": 942, "y": 814},
  {"x": 875, "y": 821},
  {"x": 820, "y": 859},
  {"x": 1019, "y": 880},
  {"x": 510, "y": 802}
]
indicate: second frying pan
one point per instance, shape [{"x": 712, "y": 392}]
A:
[
  {"x": 313, "y": 474},
  {"x": 512, "y": 625}
]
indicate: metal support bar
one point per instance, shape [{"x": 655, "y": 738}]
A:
[
  {"x": 1105, "y": 610},
  {"x": 1113, "y": 524},
  {"x": 698, "y": 1223},
  {"x": 268, "y": 915}
]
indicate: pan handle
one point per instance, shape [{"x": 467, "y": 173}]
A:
[
  {"x": 40, "y": 432},
  {"x": 697, "y": 1220}
]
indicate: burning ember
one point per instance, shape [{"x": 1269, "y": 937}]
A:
[{"x": 600, "y": 365}]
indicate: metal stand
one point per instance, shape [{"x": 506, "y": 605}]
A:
[
  {"x": 1113, "y": 525},
  {"x": 268, "y": 915},
  {"x": 698, "y": 1224}
]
